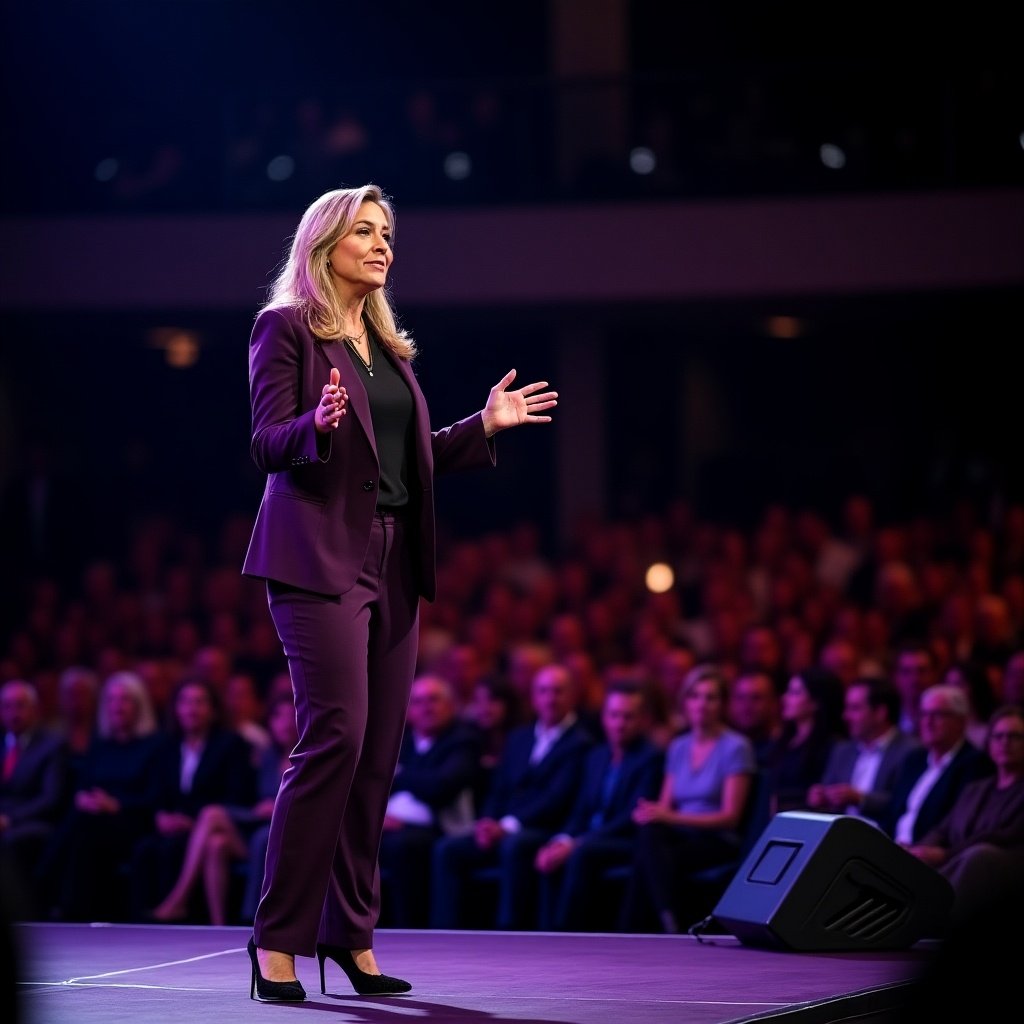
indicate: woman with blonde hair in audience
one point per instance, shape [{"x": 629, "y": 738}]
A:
[
  {"x": 696, "y": 821},
  {"x": 112, "y": 806}
]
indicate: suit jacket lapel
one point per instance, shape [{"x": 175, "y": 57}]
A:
[{"x": 336, "y": 355}]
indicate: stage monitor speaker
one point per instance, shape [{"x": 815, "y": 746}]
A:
[{"x": 832, "y": 882}]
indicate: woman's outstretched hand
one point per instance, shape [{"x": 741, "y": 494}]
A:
[{"x": 506, "y": 409}]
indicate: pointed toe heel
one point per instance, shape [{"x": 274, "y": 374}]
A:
[
  {"x": 272, "y": 991},
  {"x": 363, "y": 983}
]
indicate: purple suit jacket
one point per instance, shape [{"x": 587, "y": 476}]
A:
[{"x": 313, "y": 525}]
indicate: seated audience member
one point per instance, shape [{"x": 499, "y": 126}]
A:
[
  {"x": 462, "y": 666},
  {"x": 695, "y": 822},
  {"x": 260, "y": 656},
  {"x": 860, "y": 772},
  {"x": 77, "y": 697},
  {"x": 589, "y": 682},
  {"x": 812, "y": 706},
  {"x": 211, "y": 664},
  {"x": 523, "y": 660},
  {"x": 534, "y": 786},
  {"x": 755, "y": 710},
  {"x": 112, "y": 808},
  {"x": 934, "y": 774},
  {"x": 995, "y": 632},
  {"x": 566, "y": 634},
  {"x": 244, "y": 713},
  {"x": 33, "y": 780},
  {"x": 431, "y": 796},
  {"x": 974, "y": 681},
  {"x": 914, "y": 670},
  {"x": 599, "y": 834},
  {"x": 839, "y": 655},
  {"x": 494, "y": 711},
  {"x": 631, "y": 674},
  {"x": 1013, "y": 679},
  {"x": 664, "y": 693},
  {"x": 283, "y": 729},
  {"x": 224, "y": 834},
  {"x": 979, "y": 844},
  {"x": 761, "y": 651},
  {"x": 199, "y": 763}
]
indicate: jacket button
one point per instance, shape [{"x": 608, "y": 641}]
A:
[{"x": 367, "y": 485}]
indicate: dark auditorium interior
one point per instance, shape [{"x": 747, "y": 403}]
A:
[{"x": 774, "y": 267}]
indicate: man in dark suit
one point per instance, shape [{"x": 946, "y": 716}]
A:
[
  {"x": 600, "y": 831},
  {"x": 860, "y": 772},
  {"x": 431, "y": 796},
  {"x": 33, "y": 779},
  {"x": 755, "y": 709},
  {"x": 933, "y": 775},
  {"x": 534, "y": 788}
]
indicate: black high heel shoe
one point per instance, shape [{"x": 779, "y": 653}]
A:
[
  {"x": 273, "y": 991},
  {"x": 364, "y": 984}
]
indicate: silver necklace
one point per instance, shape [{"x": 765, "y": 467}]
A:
[{"x": 351, "y": 342}]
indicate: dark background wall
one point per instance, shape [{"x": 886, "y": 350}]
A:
[{"x": 905, "y": 265}]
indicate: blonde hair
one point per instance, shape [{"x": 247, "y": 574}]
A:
[
  {"x": 146, "y": 723},
  {"x": 705, "y": 673},
  {"x": 304, "y": 281}
]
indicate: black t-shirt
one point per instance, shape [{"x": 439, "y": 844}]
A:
[{"x": 391, "y": 410}]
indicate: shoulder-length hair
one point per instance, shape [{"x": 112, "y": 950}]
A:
[
  {"x": 706, "y": 672},
  {"x": 146, "y": 723},
  {"x": 304, "y": 281}
]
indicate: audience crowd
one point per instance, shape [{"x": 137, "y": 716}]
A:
[{"x": 568, "y": 728}]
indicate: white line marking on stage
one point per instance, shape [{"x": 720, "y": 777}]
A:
[
  {"x": 151, "y": 967},
  {"x": 112, "y": 984}
]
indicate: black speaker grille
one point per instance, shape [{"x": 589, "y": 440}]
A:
[{"x": 869, "y": 917}]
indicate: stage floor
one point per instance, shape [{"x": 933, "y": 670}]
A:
[{"x": 80, "y": 974}]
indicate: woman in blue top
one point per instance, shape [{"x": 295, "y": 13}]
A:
[{"x": 695, "y": 822}]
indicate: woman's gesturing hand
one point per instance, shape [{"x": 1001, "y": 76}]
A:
[
  {"x": 332, "y": 404},
  {"x": 510, "y": 408}
]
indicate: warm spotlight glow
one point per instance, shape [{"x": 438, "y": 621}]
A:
[
  {"x": 784, "y": 327},
  {"x": 659, "y": 578},
  {"x": 182, "y": 351},
  {"x": 180, "y": 346}
]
